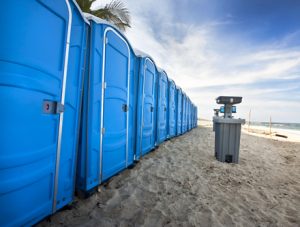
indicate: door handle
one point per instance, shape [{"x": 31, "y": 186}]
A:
[
  {"x": 125, "y": 108},
  {"x": 151, "y": 109}
]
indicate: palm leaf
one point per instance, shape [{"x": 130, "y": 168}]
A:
[{"x": 119, "y": 10}]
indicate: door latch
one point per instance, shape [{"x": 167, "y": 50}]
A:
[
  {"x": 151, "y": 109},
  {"x": 53, "y": 107}
]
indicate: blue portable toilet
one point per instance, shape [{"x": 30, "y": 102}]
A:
[
  {"x": 42, "y": 57},
  {"x": 172, "y": 109},
  {"x": 191, "y": 114},
  {"x": 184, "y": 112},
  {"x": 146, "y": 104},
  {"x": 188, "y": 114},
  {"x": 162, "y": 107},
  {"x": 179, "y": 111},
  {"x": 108, "y": 128},
  {"x": 194, "y": 116},
  {"x": 175, "y": 100}
]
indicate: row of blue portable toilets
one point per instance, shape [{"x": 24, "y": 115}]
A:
[{"x": 78, "y": 105}]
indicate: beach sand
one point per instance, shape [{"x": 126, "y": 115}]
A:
[{"x": 182, "y": 184}]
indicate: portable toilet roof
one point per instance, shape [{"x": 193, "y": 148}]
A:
[{"x": 142, "y": 54}]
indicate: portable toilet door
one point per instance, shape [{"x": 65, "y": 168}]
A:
[
  {"x": 194, "y": 116},
  {"x": 191, "y": 115},
  {"x": 168, "y": 109},
  {"x": 115, "y": 104},
  {"x": 175, "y": 101},
  {"x": 183, "y": 113},
  {"x": 162, "y": 107},
  {"x": 179, "y": 111},
  {"x": 146, "y": 111},
  {"x": 188, "y": 114},
  {"x": 110, "y": 109},
  {"x": 42, "y": 55},
  {"x": 172, "y": 109}
]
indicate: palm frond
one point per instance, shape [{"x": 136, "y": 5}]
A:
[
  {"x": 116, "y": 13},
  {"x": 119, "y": 10},
  {"x": 109, "y": 16}
]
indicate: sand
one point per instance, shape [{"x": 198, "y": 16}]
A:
[{"x": 181, "y": 184}]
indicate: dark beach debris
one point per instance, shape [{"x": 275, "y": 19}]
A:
[{"x": 280, "y": 135}]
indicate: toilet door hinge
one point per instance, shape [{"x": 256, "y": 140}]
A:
[
  {"x": 103, "y": 130},
  {"x": 60, "y": 108},
  {"x": 104, "y": 85}
]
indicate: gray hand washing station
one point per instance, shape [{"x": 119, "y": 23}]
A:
[{"x": 227, "y": 130}]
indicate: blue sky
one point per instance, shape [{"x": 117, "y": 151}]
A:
[{"x": 249, "y": 48}]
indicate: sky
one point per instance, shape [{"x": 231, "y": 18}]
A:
[{"x": 248, "y": 48}]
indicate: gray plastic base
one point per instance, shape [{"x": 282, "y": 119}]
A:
[{"x": 227, "y": 139}]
